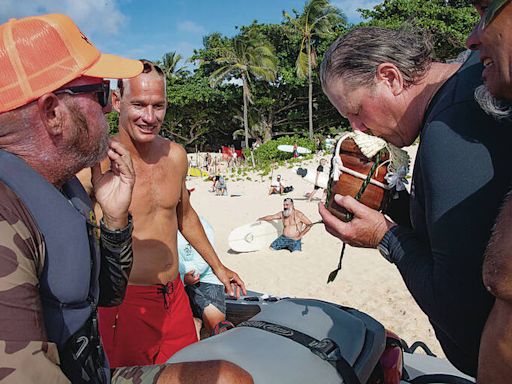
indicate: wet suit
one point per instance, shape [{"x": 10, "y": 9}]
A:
[{"x": 461, "y": 175}]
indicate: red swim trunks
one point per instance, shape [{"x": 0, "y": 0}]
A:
[{"x": 152, "y": 324}]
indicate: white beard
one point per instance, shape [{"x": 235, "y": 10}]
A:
[
  {"x": 496, "y": 108},
  {"x": 287, "y": 212}
]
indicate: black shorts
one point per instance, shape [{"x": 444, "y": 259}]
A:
[{"x": 201, "y": 295}]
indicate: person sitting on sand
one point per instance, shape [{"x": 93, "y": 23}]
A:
[
  {"x": 205, "y": 291},
  {"x": 295, "y": 226},
  {"x": 276, "y": 186},
  {"x": 220, "y": 186},
  {"x": 319, "y": 171}
]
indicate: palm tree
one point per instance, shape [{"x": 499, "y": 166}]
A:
[
  {"x": 169, "y": 65},
  {"x": 248, "y": 56},
  {"x": 317, "y": 20}
]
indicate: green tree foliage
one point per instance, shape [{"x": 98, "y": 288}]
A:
[
  {"x": 198, "y": 114},
  {"x": 450, "y": 22},
  {"x": 318, "y": 20},
  {"x": 281, "y": 107},
  {"x": 170, "y": 66},
  {"x": 246, "y": 57},
  {"x": 281, "y": 92},
  {"x": 267, "y": 154},
  {"x": 113, "y": 122}
]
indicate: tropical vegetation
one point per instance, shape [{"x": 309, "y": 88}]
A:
[{"x": 262, "y": 83}]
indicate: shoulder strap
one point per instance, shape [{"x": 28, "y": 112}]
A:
[{"x": 325, "y": 349}]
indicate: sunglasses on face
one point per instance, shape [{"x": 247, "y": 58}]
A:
[
  {"x": 491, "y": 12},
  {"x": 102, "y": 91}
]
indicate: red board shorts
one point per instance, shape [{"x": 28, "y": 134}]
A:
[{"x": 152, "y": 324}]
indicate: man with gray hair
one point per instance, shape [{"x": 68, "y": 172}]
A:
[
  {"x": 495, "y": 96},
  {"x": 493, "y": 37},
  {"x": 386, "y": 84},
  {"x": 295, "y": 226}
]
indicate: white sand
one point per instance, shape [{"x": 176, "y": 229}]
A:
[{"x": 366, "y": 282}]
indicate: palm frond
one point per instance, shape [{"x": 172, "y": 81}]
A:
[{"x": 301, "y": 65}]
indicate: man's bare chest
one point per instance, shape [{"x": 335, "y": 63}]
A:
[{"x": 156, "y": 187}]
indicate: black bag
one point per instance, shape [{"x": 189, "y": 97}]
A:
[{"x": 288, "y": 189}]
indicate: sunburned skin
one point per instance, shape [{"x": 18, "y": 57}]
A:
[
  {"x": 295, "y": 223},
  {"x": 156, "y": 195},
  {"x": 292, "y": 225},
  {"x": 160, "y": 203},
  {"x": 155, "y": 199}
]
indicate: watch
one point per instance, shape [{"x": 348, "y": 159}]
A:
[
  {"x": 116, "y": 236},
  {"x": 383, "y": 247}
]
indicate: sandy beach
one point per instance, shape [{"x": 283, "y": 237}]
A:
[{"x": 366, "y": 282}]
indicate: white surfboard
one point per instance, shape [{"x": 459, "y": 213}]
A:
[
  {"x": 309, "y": 175},
  {"x": 255, "y": 236},
  {"x": 289, "y": 148}
]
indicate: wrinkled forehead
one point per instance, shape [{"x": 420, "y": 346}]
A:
[
  {"x": 344, "y": 96},
  {"x": 150, "y": 82}
]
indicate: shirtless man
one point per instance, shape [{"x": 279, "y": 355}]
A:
[
  {"x": 155, "y": 319},
  {"x": 295, "y": 226}
]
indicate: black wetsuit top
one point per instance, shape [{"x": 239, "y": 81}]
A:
[{"x": 462, "y": 172}]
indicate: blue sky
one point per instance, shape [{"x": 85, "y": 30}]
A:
[{"x": 149, "y": 28}]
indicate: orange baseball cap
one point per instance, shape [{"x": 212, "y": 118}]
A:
[{"x": 40, "y": 54}]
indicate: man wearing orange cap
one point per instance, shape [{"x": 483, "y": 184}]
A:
[
  {"x": 493, "y": 38},
  {"x": 155, "y": 320},
  {"x": 56, "y": 265}
]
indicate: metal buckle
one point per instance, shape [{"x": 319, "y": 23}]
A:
[{"x": 326, "y": 349}]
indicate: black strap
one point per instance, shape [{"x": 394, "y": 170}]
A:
[{"x": 326, "y": 349}]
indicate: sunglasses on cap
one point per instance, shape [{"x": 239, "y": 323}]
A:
[
  {"x": 102, "y": 91},
  {"x": 491, "y": 12}
]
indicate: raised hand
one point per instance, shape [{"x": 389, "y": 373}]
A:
[{"x": 113, "y": 189}]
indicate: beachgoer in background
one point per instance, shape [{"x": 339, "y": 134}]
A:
[
  {"x": 56, "y": 266},
  {"x": 295, "y": 152},
  {"x": 367, "y": 76},
  {"x": 295, "y": 226},
  {"x": 215, "y": 179},
  {"x": 276, "y": 186},
  {"x": 256, "y": 144},
  {"x": 155, "y": 320},
  {"x": 220, "y": 185},
  {"x": 208, "y": 161},
  {"x": 234, "y": 156},
  {"x": 493, "y": 37},
  {"x": 204, "y": 290},
  {"x": 318, "y": 144},
  {"x": 329, "y": 143},
  {"x": 319, "y": 171}
]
